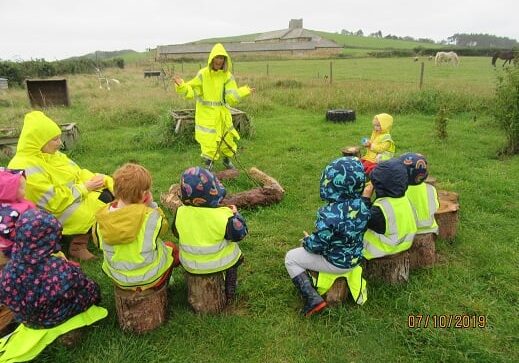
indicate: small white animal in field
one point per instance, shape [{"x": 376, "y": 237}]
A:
[
  {"x": 116, "y": 81},
  {"x": 446, "y": 57}
]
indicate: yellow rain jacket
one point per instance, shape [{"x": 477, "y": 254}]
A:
[
  {"x": 214, "y": 91},
  {"x": 382, "y": 146},
  {"x": 134, "y": 254},
  {"x": 54, "y": 182}
]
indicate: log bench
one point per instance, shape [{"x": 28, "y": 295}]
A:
[
  {"x": 206, "y": 292},
  {"x": 141, "y": 311},
  {"x": 393, "y": 269}
]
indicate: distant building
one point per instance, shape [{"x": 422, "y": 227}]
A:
[
  {"x": 292, "y": 42},
  {"x": 4, "y": 83}
]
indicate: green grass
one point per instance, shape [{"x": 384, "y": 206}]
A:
[{"x": 477, "y": 273}]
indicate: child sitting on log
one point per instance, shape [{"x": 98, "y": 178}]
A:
[
  {"x": 12, "y": 205},
  {"x": 380, "y": 146},
  {"x": 336, "y": 245},
  {"x": 423, "y": 196},
  {"x": 207, "y": 230},
  {"x": 392, "y": 225},
  {"x": 130, "y": 231}
]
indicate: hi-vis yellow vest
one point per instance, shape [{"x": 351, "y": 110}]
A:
[
  {"x": 203, "y": 247},
  {"x": 26, "y": 343},
  {"x": 356, "y": 284},
  {"x": 400, "y": 229},
  {"x": 424, "y": 200},
  {"x": 140, "y": 263}
]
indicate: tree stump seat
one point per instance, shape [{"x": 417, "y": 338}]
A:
[
  {"x": 338, "y": 293},
  {"x": 393, "y": 269},
  {"x": 351, "y": 151},
  {"x": 206, "y": 292},
  {"x": 447, "y": 215},
  {"x": 141, "y": 311},
  {"x": 423, "y": 251}
]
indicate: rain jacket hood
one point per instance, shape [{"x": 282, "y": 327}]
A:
[
  {"x": 390, "y": 179},
  {"x": 201, "y": 188},
  {"x": 386, "y": 122},
  {"x": 37, "y": 130},
  {"x": 342, "y": 179},
  {"x": 218, "y": 49},
  {"x": 43, "y": 290},
  {"x": 121, "y": 225},
  {"x": 416, "y": 166}
]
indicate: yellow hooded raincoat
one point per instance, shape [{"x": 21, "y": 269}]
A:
[
  {"x": 382, "y": 145},
  {"x": 54, "y": 182},
  {"x": 214, "y": 92}
]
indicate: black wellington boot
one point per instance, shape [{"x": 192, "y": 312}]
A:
[{"x": 313, "y": 301}]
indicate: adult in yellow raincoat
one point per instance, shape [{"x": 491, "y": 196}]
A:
[
  {"x": 57, "y": 184},
  {"x": 214, "y": 89}
]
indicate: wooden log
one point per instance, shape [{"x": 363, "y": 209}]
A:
[
  {"x": 338, "y": 293},
  {"x": 447, "y": 215},
  {"x": 423, "y": 251},
  {"x": 431, "y": 180},
  {"x": 7, "y": 323},
  {"x": 206, "y": 293},
  {"x": 227, "y": 174},
  {"x": 141, "y": 311},
  {"x": 392, "y": 269},
  {"x": 351, "y": 151},
  {"x": 269, "y": 193}
]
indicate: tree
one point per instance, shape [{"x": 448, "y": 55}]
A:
[
  {"x": 506, "y": 107},
  {"x": 359, "y": 33}
]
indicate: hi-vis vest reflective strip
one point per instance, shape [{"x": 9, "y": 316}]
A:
[
  {"x": 44, "y": 200},
  {"x": 388, "y": 154},
  {"x": 424, "y": 200},
  {"x": 203, "y": 248},
  {"x": 140, "y": 262},
  {"x": 356, "y": 284},
  {"x": 400, "y": 229}
]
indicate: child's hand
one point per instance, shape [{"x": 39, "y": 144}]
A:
[
  {"x": 95, "y": 183},
  {"x": 178, "y": 80},
  {"x": 233, "y": 208},
  {"x": 368, "y": 190},
  {"x": 305, "y": 233}
]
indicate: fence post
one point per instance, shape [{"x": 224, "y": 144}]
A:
[
  {"x": 267, "y": 69},
  {"x": 421, "y": 75},
  {"x": 331, "y": 72}
]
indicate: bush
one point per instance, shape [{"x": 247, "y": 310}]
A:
[{"x": 506, "y": 107}]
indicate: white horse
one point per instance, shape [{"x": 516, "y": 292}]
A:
[{"x": 450, "y": 57}]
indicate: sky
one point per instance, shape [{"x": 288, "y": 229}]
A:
[{"x": 58, "y": 29}]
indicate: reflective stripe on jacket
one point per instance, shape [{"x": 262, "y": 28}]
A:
[
  {"x": 140, "y": 262},
  {"x": 424, "y": 200},
  {"x": 203, "y": 248},
  {"x": 400, "y": 229}
]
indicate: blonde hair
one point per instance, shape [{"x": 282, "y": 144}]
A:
[{"x": 130, "y": 182}]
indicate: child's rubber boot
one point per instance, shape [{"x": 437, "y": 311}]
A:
[
  {"x": 313, "y": 301},
  {"x": 78, "y": 248}
]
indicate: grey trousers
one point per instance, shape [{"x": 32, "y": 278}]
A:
[{"x": 298, "y": 260}]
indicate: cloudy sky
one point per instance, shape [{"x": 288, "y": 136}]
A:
[{"x": 57, "y": 29}]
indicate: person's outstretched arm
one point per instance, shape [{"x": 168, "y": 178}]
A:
[
  {"x": 233, "y": 94},
  {"x": 189, "y": 89}
]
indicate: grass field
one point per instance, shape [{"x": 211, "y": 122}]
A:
[{"x": 476, "y": 275}]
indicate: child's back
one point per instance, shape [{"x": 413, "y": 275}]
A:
[{"x": 129, "y": 232}]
